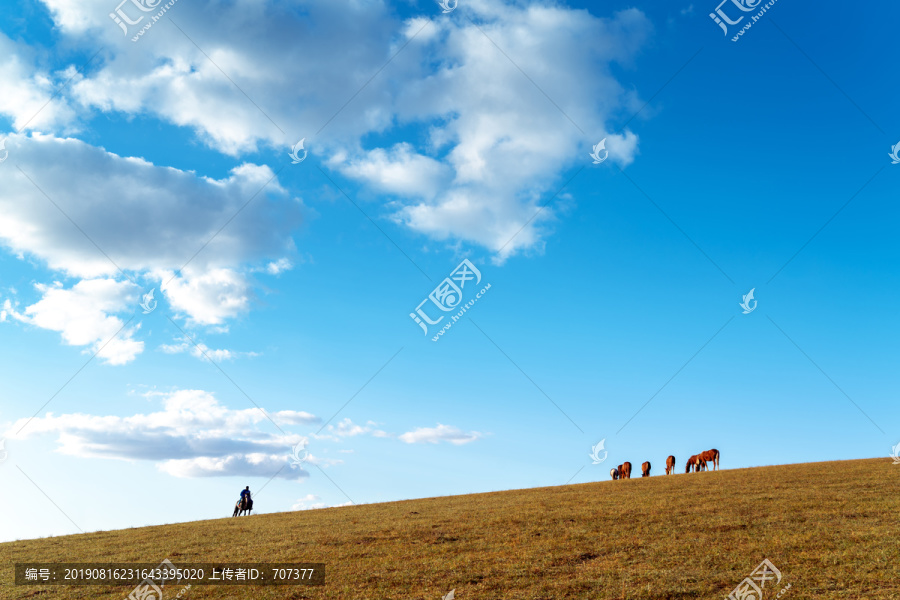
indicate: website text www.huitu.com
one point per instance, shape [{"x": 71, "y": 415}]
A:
[
  {"x": 154, "y": 19},
  {"x": 456, "y": 317},
  {"x": 754, "y": 19}
]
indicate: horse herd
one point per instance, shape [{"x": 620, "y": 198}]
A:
[{"x": 697, "y": 462}]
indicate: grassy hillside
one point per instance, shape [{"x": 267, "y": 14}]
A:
[{"x": 833, "y": 530}]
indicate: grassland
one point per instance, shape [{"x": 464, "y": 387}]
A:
[{"x": 833, "y": 529}]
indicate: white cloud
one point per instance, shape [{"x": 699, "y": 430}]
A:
[
  {"x": 279, "y": 266},
  {"x": 28, "y": 96},
  {"x": 497, "y": 147},
  {"x": 253, "y": 465},
  {"x": 441, "y": 433},
  {"x": 209, "y": 298},
  {"x": 202, "y": 351},
  {"x": 148, "y": 220},
  {"x": 399, "y": 170},
  {"x": 192, "y": 436},
  {"x": 307, "y": 502},
  {"x": 346, "y": 428},
  {"x": 144, "y": 217},
  {"x": 506, "y": 143},
  {"x": 82, "y": 315},
  {"x": 311, "y": 502}
]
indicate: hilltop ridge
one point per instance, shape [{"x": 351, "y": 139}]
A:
[{"x": 830, "y": 529}]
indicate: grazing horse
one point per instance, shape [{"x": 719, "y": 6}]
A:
[
  {"x": 670, "y": 465},
  {"x": 645, "y": 469},
  {"x": 711, "y": 456},
  {"x": 696, "y": 462},
  {"x": 625, "y": 470},
  {"x": 241, "y": 506},
  {"x": 614, "y": 473}
]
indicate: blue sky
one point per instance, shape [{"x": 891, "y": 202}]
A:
[{"x": 283, "y": 291}]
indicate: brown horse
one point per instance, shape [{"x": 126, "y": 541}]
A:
[
  {"x": 696, "y": 462},
  {"x": 614, "y": 473},
  {"x": 619, "y": 472},
  {"x": 645, "y": 469},
  {"x": 625, "y": 470},
  {"x": 670, "y": 465},
  {"x": 711, "y": 456},
  {"x": 243, "y": 505}
]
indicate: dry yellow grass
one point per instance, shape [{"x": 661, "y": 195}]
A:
[{"x": 831, "y": 528}]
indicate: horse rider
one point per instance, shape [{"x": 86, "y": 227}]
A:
[{"x": 246, "y": 492}]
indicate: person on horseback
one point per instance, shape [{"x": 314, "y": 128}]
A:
[{"x": 245, "y": 503}]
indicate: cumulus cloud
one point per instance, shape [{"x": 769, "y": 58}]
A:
[
  {"x": 279, "y": 266},
  {"x": 441, "y": 433},
  {"x": 192, "y": 436},
  {"x": 284, "y": 56},
  {"x": 202, "y": 351},
  {"x": 496, "y": 145},
  {"x": 347, "y": 428},
  {"x": 209, "y": 298},
  {"x": 28, "y": 96},
  {"x": 311, "y": 501},
  {"x": 254, "y": 465},
  {"x": 504, "y": 140},
  {"x": 82, "y": 315},
  {"x": 148, "y": 220},
  {"x": 398, "y": 170}
]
